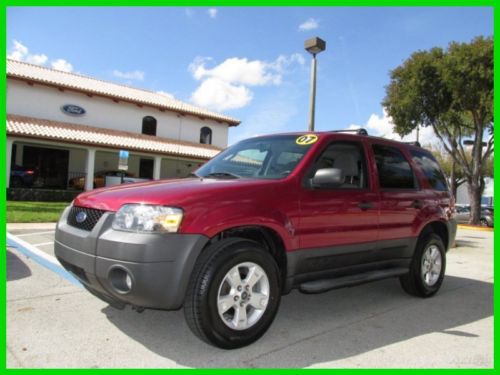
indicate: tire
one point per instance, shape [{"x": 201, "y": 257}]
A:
[
  {"x": 213, "y": 301},
  {"x": 483, "y": 222},
  {"x": 418, "y": 282}
]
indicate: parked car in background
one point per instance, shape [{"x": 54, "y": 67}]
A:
[
  {"x": 99, "y": 179},
  {"x": 463, "y": 215},
  {"x": 21, "y": 176}
]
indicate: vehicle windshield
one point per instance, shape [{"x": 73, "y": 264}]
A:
[{"x": 263, "y": 158}]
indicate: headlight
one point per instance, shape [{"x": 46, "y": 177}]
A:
[{"x": 147, "y": 218}]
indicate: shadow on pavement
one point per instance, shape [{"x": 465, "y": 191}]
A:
[
  {"x": 464, "y": 243},
  {"x": 16, "y": 268},
  {"x": 352, "y": 320}
]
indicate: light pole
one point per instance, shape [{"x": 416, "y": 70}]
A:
[{"x": 313, "y": 46}]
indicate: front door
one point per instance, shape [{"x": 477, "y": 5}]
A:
[{"x": 339, "y": 224}]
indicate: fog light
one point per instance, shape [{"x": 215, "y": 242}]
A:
[{"x": 120, "y": 279}]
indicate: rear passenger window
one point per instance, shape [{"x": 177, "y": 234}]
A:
[
  {"x": 431, "y": 170},
  {"x": 394, "y": 171}
]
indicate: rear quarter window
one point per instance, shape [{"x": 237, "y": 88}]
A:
[{"x": 431, "y": 170}]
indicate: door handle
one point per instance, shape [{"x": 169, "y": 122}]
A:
[
  {"x": 417, "y": 204},
  {"x": 365, "y": 205}
]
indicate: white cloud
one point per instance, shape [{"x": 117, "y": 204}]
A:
[
  {"x": 212, "y": 12},
  {"x": 61, "y": 64},
  {"x": 233, "y": 77},
  {"x": 21, "y": 53},
  {"x": 236, "y": 70},
  {"x": 310, "y": 24},
  {"x": 382, "y": 126},
  {"x": 18, "y": 52},
  {"x": 137, "y": 75},
  {"x": 164, "y": 93},
  {"x": 221, "y": 95}
]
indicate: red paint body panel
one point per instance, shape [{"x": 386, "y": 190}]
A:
[{"x": 302, "y": 217}]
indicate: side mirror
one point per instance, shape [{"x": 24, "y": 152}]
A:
[{"x": 327, "y": 177}]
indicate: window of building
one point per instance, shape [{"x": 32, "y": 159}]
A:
[
  {"x": 394, "y": 171},
  {"x": 149, "y": 125},
  {"x": 431, "y": 170},
  {"x": 206, "y": 135}
]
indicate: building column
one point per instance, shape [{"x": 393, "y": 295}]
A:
[
  {"x": 8, "y": 155},
  {"x": 89, "y": 178},
  {"x": 157, "y": 168}
]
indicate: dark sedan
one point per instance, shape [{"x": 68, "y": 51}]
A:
[{"x": 463, "y": 215}]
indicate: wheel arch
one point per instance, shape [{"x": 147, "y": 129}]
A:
[
  {"x": 439, "y": 228},
  {"x": 265, "y": 236}
]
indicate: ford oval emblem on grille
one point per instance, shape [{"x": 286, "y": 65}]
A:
[{"x": 81, "y": 217}]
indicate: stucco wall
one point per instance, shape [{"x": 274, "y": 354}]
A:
[{"x": 45, "y": 102}]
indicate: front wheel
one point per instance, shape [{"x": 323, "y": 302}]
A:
[
  {"x": 427, "y": 268},
  {"x": 233, "y": 294}
]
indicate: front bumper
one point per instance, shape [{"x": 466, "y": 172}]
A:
[{"x": 157, "y": 266}]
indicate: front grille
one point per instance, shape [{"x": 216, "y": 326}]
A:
[{"x": 92, "y": 216}]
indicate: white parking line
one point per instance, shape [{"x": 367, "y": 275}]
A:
[
  {"x": 44, "y": 243},
  {"x": 33, "y": 249},
  {"x": 40, "y": 257},
  {"x": 34, "y": 233}
]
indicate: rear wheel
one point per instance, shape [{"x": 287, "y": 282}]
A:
[
  {"x": 234, "y": 293},
  {"x": 427, "y": 267},
  {"x": 483, "y": 222}
]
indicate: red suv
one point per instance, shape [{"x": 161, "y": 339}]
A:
[{"x": 309, "y": 211}]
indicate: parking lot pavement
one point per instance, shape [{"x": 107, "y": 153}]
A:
[{"x": 54, "y": 323}]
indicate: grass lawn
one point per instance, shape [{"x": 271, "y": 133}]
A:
[{"x": 34, "y": 212}]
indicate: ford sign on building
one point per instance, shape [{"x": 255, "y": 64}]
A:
[
  {"x": 73, "y": 110},
  {"x": 69, "y": 129}
]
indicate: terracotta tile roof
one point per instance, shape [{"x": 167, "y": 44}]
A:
[
  {"x": 88, "y": 135},
  {"x": 35, "y": 73}
]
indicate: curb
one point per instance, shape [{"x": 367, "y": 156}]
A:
[
  {"x": 31, "y": 226},
  {"x": 475, "y": 227}
]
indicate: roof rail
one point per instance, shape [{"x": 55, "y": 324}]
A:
[
  {"x": 414, "y": 143},
  {"x": 359, "y": 131}
]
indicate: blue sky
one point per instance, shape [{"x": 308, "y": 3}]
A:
[{"x": 246, "y": 62}]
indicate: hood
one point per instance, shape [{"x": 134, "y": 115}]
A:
[{"x": 175, "y": 192}]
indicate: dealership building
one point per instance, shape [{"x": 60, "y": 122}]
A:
[{"x": 63, "y": 126}]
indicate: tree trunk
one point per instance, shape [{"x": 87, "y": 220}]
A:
[
  {"x": 453, "y": 181},
  {"x": 475, "y": 202}
]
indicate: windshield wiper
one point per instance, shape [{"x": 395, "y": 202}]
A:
[{"x": 221, "y": 175}]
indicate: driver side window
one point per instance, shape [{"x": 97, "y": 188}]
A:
[{"x": 350, "y": 159}]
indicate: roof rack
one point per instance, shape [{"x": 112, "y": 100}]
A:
[
  {"x": 414, "y": 143},
  {"x": 359, "y": 131}
]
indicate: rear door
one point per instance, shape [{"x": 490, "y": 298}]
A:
[{"x": 401, "y": 200}]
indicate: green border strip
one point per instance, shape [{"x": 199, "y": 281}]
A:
[{"x": 401, "y": 3}]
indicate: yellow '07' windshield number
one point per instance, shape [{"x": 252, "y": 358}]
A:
[{"x": 306, "y": 139}]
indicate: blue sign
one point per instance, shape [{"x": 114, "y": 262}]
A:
[
  {"x": 123, "y": 160},
  {"x": 73, "y": 110}
]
